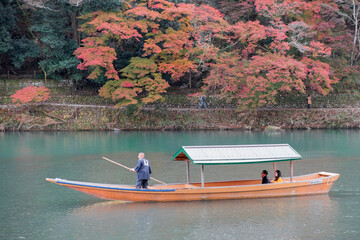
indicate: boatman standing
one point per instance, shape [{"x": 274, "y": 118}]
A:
[{"x": 143, "y": 171}]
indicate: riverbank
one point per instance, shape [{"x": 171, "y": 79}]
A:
[{"x": 42, "y": 117}]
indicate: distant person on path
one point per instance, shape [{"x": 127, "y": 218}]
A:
[
  {"x": 202, "y": 103},
  {"x": 309, "y": 101},
  {"x": 265, "y": 178},
  {"x": 278, "y": 178},
  {"x": 143, "y": 171}
]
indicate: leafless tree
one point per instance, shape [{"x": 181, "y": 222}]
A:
[
  {"x": 39, "y": 4},
  {"x": 43, "y": 3},
  {"x": 350, "y": 10}
]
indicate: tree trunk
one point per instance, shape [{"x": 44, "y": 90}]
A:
[
  {"x": 45, "y": 76},
  {"x": 190, "y": 81},
  {"x": 355, "y": 18},
  {"x": 74, "y": 26}
]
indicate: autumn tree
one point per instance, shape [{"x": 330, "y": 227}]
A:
[
  {"x": 344, "y": 13},
  {"x": 277, "y": 53},
  {"x": 252, "y": 61},
  {"x": 174, "y": 38},
  {"x": 140, "y": 83},
  {"x": 31, "y": 94},
  {"x": 238, "y": 10}
]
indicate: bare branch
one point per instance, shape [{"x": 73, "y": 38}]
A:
[
  {"x": 76, "y": 3},
  {"x": 299, "y": 32},
  {"x": 39, "y": 4},
  {"x": 338, "y": 12}
]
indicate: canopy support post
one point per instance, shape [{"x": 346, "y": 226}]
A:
[
  {"x": 291, "y": 170},
  {"x": 202, "y": 176},
  {"x": 187, "y": 172},
  {"x": 274, "y": 165}
]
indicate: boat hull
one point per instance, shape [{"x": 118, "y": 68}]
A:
[{"x": 316, "y": 183}]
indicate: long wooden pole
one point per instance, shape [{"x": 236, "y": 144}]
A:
[{"x": 131, "y": 169}]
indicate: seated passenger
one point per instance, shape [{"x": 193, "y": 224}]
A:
[
  {"x": 264, "y": 176},
  {"x": 278, "y": 178}
]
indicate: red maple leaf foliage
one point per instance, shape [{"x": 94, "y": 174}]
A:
[
  {"x": 274, "y": 50},
  {"x": 175, "y": 48},
  {"x": 227, "y": 76},
  {"x": 268, "y": 75},
  {"x": 95, "y": 55},
  {"x": 280, "y": 53},
  {"x": 31, "y": 94}
]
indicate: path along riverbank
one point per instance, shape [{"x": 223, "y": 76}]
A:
[{"x": 74, "y": 117}]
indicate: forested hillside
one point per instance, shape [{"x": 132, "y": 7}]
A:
[{"x": 247, "y": 51}]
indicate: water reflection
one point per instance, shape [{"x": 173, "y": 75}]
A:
[
  {"x": 285, "y": 218},
  {"x": 34, "y": 209}
]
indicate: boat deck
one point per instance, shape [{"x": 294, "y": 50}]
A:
[{"x": 238, "y": 182}]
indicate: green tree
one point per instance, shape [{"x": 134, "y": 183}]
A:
[
  {"x": 52, "y": 27},
  {"x": 17, "y": 45},
  {"x": 140, "y": 84},
  {"x": 55, "y": 25}
]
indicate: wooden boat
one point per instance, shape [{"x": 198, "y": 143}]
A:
[{"x": 310, "y": 184}]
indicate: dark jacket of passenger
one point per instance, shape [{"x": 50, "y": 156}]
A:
[{"x": 265, "y": 179}]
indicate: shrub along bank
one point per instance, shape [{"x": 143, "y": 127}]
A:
[{"x": 73, "y": 118}]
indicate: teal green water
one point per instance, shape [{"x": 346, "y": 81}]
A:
[{"x": 32, "y": 208}]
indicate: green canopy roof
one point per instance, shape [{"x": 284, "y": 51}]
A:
[{"x": 236, "y": 154}]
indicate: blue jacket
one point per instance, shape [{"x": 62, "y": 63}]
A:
[{"x": 143, "y": 169}]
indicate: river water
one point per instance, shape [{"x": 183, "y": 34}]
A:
[{"x": 32, "y": 208}]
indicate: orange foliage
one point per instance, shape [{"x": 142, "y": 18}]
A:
[
  {"x": 31, "y": 94},
  {"x": 261, "y": 62},
  {"x": 140, "y": 77},
  {"x": 250, "y": 61},
  {"x": 174, "y": 48}
]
